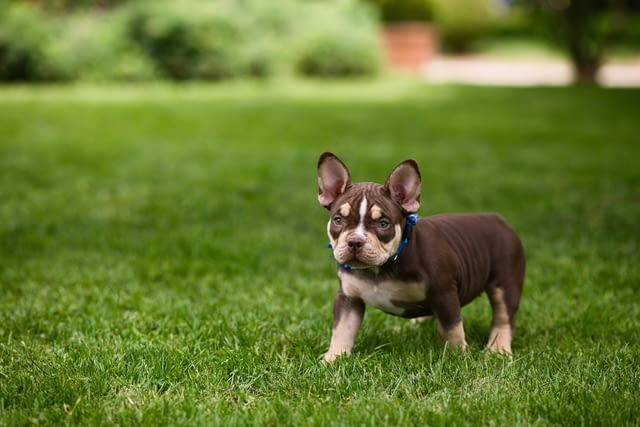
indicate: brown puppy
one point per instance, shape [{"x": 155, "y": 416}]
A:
[{"x": 414, "y": 268}]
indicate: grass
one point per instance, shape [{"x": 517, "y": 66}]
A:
[{"x": 162, "y": 254}]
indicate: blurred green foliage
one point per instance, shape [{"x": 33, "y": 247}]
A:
[
  {"x": 96, "y": 46},
  {"x": 114, "y": 40},
  {"x": 462, "y": 22},
  {"x": 64, "y": 6},
  {"x": 459, "y": 22},
  {"x": 188, "y": 39},
  {"x": 587, "y": 30},
  {"x": 404, "y": 10},
  {"x": 23, "y": 35},
  {"x": 339, "y": 42},
  {"x": 584, "y": 29}
]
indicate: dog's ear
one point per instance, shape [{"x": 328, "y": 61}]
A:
[
  {"x": 403, "y": 184},
  {"x": 333, "y": 178}
]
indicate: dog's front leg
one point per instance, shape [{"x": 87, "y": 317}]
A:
[{"x": 347, "y": 318}]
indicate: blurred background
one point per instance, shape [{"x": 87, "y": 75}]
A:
[{"x": 477, "y": 41}]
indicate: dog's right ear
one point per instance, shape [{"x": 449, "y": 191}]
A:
[{"x": 333, "y": 178}]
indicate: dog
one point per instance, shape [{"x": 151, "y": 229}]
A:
[{"x": 409, "y": 267}]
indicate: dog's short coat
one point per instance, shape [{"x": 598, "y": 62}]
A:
[{"x": 448, "y": 260}]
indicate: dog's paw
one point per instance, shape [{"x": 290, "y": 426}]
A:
[
  {"x": 331, "y": 357},
  {"x": 500, "y": 340},
  {"x": 499, "y": 351}
]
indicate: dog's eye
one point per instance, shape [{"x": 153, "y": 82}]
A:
[
  {"x": 337, "y": 220},
  {"x": 383, "y": 223}
]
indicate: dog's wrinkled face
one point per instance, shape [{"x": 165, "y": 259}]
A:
[{"x": 365, "y": 226}]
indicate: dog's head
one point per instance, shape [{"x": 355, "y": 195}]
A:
[{"x": 367, "y": 219}]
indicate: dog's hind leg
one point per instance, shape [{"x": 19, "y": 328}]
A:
[
  {"x": 449, "y": 315},
  {"x": 504, "y": 297},
  {"x": 501, "y": 326}
]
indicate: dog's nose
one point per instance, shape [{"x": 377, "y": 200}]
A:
[{"x": 355, "y": 242}]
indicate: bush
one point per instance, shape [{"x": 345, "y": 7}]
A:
[
  {"x": 268, "y": 32},
  {"x": 188, "y": 39},
  {"x": 461, "y": 22},
  {"x": 342, "y": 40},
  {"x": 95, "y": 47},
  {"x": 335, "y": 55},
  {"x": 196, "y": 39},
  {"x": 24, "y": 35},
  {"x": 404, "y": 10},
  {"x": 217, "y": 40}
]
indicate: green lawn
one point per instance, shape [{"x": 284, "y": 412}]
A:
[{"x": 163, "y": 260}]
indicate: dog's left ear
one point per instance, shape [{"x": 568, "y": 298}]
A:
[{"x": 403, "y": 184}]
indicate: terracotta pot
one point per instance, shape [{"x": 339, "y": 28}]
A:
[{"x": 408, "y": 45}]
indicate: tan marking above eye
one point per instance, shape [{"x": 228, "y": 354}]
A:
[
  {"x": 376, "y": 212},
  {"x": 345, "y": 209}
]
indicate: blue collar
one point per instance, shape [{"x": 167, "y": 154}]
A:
[{"x": 410, "y": 222}]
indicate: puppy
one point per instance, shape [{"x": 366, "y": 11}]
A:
[{"x": 410, "y": 267}]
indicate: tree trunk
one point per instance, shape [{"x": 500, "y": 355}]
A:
[
  {"x": 586, "y": 73},
  {"x": 586, "y": 63},
  {"x": 585, "y": 45}
]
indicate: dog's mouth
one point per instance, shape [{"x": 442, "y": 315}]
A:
[
  {"x": 355, "y": 262},
  {"x": 359, "y": 259}
]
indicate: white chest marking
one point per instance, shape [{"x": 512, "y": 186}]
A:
[{"x": 383, "y": 294}]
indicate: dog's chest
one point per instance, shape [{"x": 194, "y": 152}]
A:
[{"x": 391, "y": 296}]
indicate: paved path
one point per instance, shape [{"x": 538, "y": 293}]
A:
[{"x": 490, "y": 71}]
